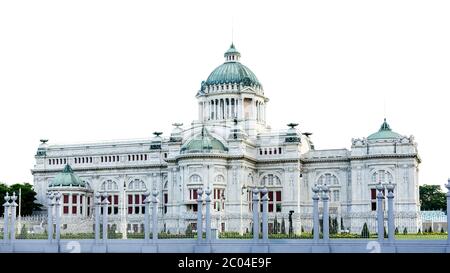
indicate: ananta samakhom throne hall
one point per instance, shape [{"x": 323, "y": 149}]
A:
[{"x": 231, "y": 149}]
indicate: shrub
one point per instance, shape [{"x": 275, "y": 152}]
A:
[
  {"x": 442, "y": 230},
  {"x": 405, "y": 231},
  {"x": 365, "y": 231},
  {"x": 396, "y": 230},
  {"x": 283, "y": 226},
  {"x": 188, "y": 229}
]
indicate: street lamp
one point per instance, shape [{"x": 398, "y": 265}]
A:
[{"x": 243, "y": 191}]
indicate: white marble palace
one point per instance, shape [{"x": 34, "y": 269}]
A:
[{"x": 230, "y": 149}]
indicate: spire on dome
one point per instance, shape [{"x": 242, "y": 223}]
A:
[
  {"x": 232, "y": 55},
  {"x": 385, "y": 126}
]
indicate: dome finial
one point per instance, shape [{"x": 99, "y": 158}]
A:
[
  {"x": 232, "y": 55},
  {"x": 385, "y": 126}
]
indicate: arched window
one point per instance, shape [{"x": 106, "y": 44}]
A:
[
  {"x": 112, "y": 189},
  {"x": 328, "y": 178},
  {"x": 382, "y": 176},
  {"x": 137, "y": 185},
  {"x": 195, "y": 179},
  {"x": 109, "y": 185},
  {"x": 219, "y": 179},
  {"x": 136, "y": 197},
  {"x": 270, "y": 180}
]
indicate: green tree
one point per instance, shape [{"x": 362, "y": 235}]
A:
[
  {"x": 365, "y": 231},
  {"x": 283, "y": 226},
  {"x": 28, "y": 197},
  {"x": 405, "y": 231},
  {"x": 189, "y": 229},
  {"x": 432, "y": 198},
  {"x": 275, "y": 225}
]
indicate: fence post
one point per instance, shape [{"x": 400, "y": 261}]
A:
[
  {"x": 380, "y": 212},
  {"x": 58, "y": 216},
  {"x": 199, "y": 215},
  {"x": 147, "y": 202},
  {"x": 98, "y": 203},
  {"x": 50, "y": 216},
  {"x": 155, "y": 217},
  {"x": 105, "y": 216},
  {"x": 391, "y": 222},
  {"x": 265, "y": 224},
  {"x": 316, "y": 223},
  {"x": 6, "y": 206},
  {"x": 448, "y": 211},
  {"x": 255, "y": 192},
  {"x": 208, "y": 215},
  {"x": 13, "y": 217},
  {"x": 326, "y": 220}
]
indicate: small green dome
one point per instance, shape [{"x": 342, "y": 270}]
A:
[
  {"x": 232, "y": 71},
  {"x": 385, "y": 132},
  {"x": 67, "y": 178},
  {"x": 203, "y": 143}
]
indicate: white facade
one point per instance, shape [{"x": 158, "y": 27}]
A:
[{"x": 230, "y": 148}]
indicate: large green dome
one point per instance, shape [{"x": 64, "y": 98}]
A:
[
  {"x": 67, "y": 179},
  {"x": 203, "y": 143},
  {"x": 232, "y": 71},
  {"x": 385, "y": 132}
]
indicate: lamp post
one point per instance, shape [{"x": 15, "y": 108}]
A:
[
  {"x": 6, "y": 206},
  {"x": 391, "y": 224},
  {"x": 241, "y": 231},
  {"x": 380, "y": 212},
  {"x": 448, "y": 210},
  {"x": 326, "y": 220},
  {"x": 221, "y": 206},
  {"x": 316, "y": 224}
]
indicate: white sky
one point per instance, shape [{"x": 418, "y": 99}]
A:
[{"x": 74, "y": 71}]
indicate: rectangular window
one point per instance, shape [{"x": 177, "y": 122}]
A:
[
  {"x": 116, "y": 199},
  {"x": 66, "y": 198},
  {"x": 373, "y": 194},
  {"x": 74, "y": 199},
  {"x": 278, "y": 207},
  {"x": 278, "y": 196},
  {"x": 66, "y": 210},
  {"x": 74, "y": 210},
  {"x": 130, "y": 199},
  {"x": 136, "y": 199}
]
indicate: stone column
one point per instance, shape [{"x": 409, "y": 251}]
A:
[
  {"x": 391, "y": 222},
  {"x": 380, "y": 212},
  {"x": 50, "y": 216},
  {"x": 58, "y": 216},
  {"x": 255, "y": 200},
  {"x": 97, "y": 204},
  {"x": 155, "y": 217},
  {"x": 326, "y": 220},
  {"x": 78, "y": 196},
  {"x": 208, "y": 214},
  {"x": 147, "y": 202},
  {"x": 316, "y": 224},
  {"x": 105, "y": 204},
  {"x": 13, "y": 216},
  {"x": 6, "y": 218},
  {"x": 448, "y": 210},
  {"x": 199, "y": 215},
  {"x": 265, "y": 224}
]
